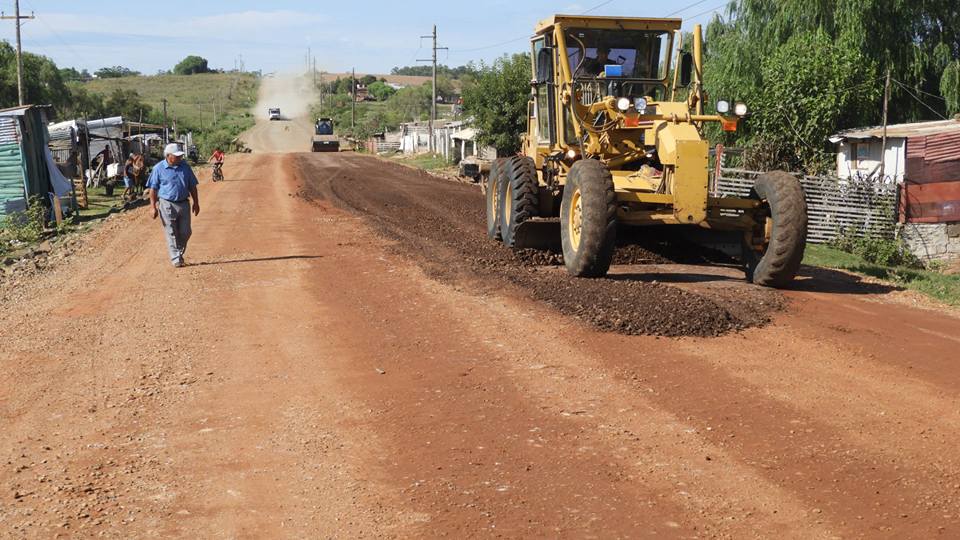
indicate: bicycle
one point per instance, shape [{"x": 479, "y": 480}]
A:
[{"x": 218, "y": 172}]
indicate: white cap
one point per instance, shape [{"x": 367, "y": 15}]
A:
[{"x": 172, "y": 148}]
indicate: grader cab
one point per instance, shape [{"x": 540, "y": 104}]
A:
[{"x": 608, "y": 145}]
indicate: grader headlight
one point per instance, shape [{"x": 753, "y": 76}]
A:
[
  {"x": 640, "y": 104},
  {"x": 740, "y": 109},
  {"x": 723, "y": 106},
  {"x": 623, "y": 104}
]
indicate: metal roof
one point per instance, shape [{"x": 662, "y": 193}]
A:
[
  {"x": 15, "y": 111},
  {"x": 621, "y": 23},
  {"x": 917, "y": 129}
]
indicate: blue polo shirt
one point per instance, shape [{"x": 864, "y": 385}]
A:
[{"x": 172, "y": 182}]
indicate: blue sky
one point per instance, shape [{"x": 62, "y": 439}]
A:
[{"x": 372, "y": 35}]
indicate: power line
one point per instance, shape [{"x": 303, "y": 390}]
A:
[
  {"x": 524, "y": 38},
  {"x": 598, "y": 6},
  {"x": 941, "y": 98},
  {"x": 920, "y": 101},
  {"x": 681, "y": 10},
  {"x": 702, "y": 13}
]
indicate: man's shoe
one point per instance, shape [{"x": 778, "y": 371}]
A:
[{"x": 179, "y": 264}]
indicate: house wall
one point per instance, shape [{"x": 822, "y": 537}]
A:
[
  {"x": 933, "y": 241},
  {"x": 868, "y": 163}
]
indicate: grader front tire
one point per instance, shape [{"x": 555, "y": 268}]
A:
[
  {"x": 588, "y": 219},
  {"x": 493, "y": 199},
  {"x": 779, "y": 262},
  {"x": 518, "y": 196}
]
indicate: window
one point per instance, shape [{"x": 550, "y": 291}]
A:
[
  {"x": 542, "y": 112},
  {"x": 641, "y": 54}
]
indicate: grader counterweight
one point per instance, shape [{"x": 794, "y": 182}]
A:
[{"x": 608, "y": 144}]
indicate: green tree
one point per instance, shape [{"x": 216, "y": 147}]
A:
[
  {"x": 498, "y": 102},
  {"x": 342, "y": 87},
  {"x": 381, "y": 91},
  {"x": 126, "y": 103},
  {"x": 191, "y": 65},
  {"x": 411, "y": 103},
  {"x": 42, "y": 81},
  {"x": 950, "y": 86},
  {"x": 69, "y": 74},
  {"x": 83, "y": 103},
  {"x": 427, "y": 71},
  {"x": 811, "y": 85},
  {"x": 367, "y": 80},
  {"x": 916, "y": 41},
  {"x": 115, "y": 72}
]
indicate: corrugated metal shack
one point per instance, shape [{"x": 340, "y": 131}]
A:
[
  {"x": 924, "y": 159},
  {"x": 23, "y": 164}
]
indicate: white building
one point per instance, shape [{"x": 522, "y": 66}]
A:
[
  {"x": 924, "y": 160},
  {"x": 859, "y": 150}
]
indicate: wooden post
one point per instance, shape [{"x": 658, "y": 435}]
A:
[
  {"x": 57, "y": 209},
  {"x": 883, "y": 140}
]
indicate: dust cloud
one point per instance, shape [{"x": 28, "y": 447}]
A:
[{"x": 293, "y": 95}]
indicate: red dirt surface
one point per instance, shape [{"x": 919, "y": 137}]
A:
[{"x": 306, "y": 377}]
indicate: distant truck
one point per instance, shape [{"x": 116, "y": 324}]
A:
[
  {"x": 273, "y": 114},
  {"x": 475, "y": 168},
  {"x": 323, "y": 138}
]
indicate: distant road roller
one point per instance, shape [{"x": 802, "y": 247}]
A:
[
  {"x": 609, "y": 143},
  {"x": 323, "y": 138}
]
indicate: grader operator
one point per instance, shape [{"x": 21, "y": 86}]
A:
[{"x": 609, "y": 143}]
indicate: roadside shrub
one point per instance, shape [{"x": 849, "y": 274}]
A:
[
  {"x": 876, "y": 250},
  {"x": 25, "y": 227}
]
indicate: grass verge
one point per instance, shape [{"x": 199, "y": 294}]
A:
[
  {"x": 942, "y": 287},
  {"x": 429, "y": 162}
]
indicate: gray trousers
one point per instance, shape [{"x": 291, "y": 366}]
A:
[{"x": 175, "y": 217}]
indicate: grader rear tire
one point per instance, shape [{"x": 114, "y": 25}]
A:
[
  {"x": 780, "y": 261},
  {"x": 588, "y": 219},
  {"x": 518, "y": 196},
  {"x": 493, "y": 199}
]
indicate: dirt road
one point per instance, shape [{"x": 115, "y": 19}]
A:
[
  {"x": 346, "y": 357},
  {"x": 292, "y": 132}
]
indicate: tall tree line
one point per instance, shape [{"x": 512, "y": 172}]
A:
[{"x": 811, "y": 67}]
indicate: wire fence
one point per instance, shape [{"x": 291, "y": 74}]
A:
[{"x": 834, "y": 205}]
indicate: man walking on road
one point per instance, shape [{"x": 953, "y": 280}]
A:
[{"x": 171, "y": 184}]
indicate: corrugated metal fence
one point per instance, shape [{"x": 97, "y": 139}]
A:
[
  {"x": 12, "y": 195},
  {"x": 833, "y": 204}
]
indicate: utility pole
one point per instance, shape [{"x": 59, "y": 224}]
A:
[
  {"x": 353, "y": 100},
  {"x": 313, "y": 70},
  {"x": 17, "y": 18},
  {"x": 433, "y": 105},
  {"x": 883, "y": 143},
  {"x": 166, "y": 132},
  {"x": 321, "y": 91}
]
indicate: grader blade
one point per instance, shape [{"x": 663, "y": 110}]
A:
[{"x": 538, "y": 233}]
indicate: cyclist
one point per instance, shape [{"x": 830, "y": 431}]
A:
[{"x": 217, "y": 159}]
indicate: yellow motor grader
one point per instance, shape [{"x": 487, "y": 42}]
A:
[{"x": 608, "y": 144}]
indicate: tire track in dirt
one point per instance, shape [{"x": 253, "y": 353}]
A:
[{"x": 440, "y": 225}]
